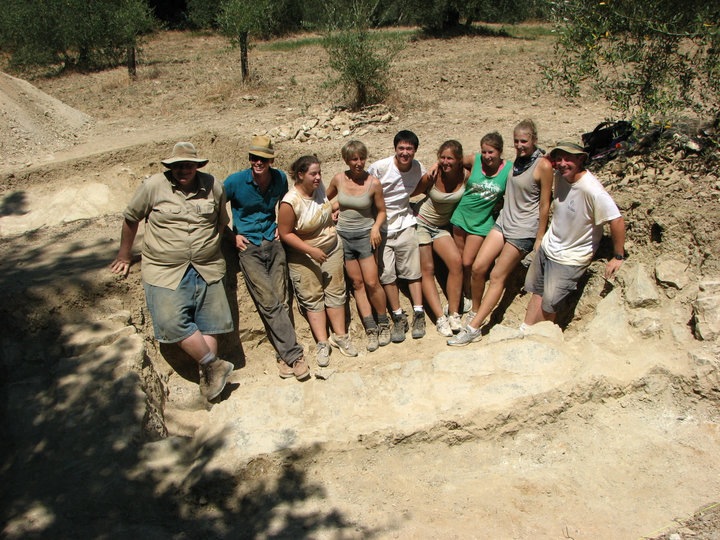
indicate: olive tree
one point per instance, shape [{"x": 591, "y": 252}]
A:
[
  {"x": 74, "y": 34},
  {"x": 360, "y": 58},
  {"x": 239, "y": 19},
  {"x": 648, "y": 59}
]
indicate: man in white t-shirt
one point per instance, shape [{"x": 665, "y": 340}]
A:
[
  {"x": 400, "y": 252},
  {"x": 581, "y": 207}
]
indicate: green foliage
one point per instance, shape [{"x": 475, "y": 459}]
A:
[
  {"x": 203, "y": 13},
  {"x": 72, "y": 33},
  {"x": 360, "y": 58},
  {"x": 648, "y": 59},
  {"x": 443, "y": 17}
]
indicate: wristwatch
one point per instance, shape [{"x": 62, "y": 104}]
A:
[{"x": 619, "y": 257}]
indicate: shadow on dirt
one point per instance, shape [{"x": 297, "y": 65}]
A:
[
  {"x": 76, "y": 460},
  {"x": 14, "y": 204}
]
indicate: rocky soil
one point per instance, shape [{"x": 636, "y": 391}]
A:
[{"x": 609, "y": 429}]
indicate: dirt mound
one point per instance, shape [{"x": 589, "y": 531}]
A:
[{"x": 34, "y": 122}]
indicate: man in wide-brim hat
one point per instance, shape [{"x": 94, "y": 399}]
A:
[
  {"x": 182, "y": 266},
  {"x": 581, "y": 208}
]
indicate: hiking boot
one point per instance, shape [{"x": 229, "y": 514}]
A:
[
  {"x": 466, "y": 336},
  {"x": 300, "y": 369},
  {"x": 383, "y": 334},
  {"x": 372, "y": 339},
  {"x": 418, "y": 325},
  {"x": 344, "y": 344},
  {"x": 443, "y": 326},
  {"x": 322, "y": 353},
  {"x": 284, "y": 370},
  {"x": 213, "y": 377},
  {"x": 400, "y": 326},
  {"x": 455, "y": 323}
]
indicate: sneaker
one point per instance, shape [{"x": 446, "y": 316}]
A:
[
  {"x": 418, "y": 325},
  {"x": 443, "y": 326},
  {"x": 372, "y": 339},
  {"x": 467, "y": 304},
  {"x": 455, "y": 323},
  {"x": 344, "y": 344},
  {"x": 400, "y": 326},
  {"x": 322, "y": 353},
  {"x": 300, "y": 369},
  {"x": 284, "y": 370},
  {"x": 469, "y": 316},
  {"x": 466, "y": 336},
  {"x": 213, "y": 377},
  {"x": 383, "y": 334}
]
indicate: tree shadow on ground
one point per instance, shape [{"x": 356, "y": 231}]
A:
[
  {"x": 76, "y": 461},
  {"x": 14, "y": 204}
]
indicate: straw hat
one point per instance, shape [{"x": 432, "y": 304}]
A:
[
  {"x": 184, "y": 151},
  {"x": 570, "y": 147},
  {"x": 262, "y": 146}
]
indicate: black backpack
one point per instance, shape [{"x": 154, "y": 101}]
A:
[{"x": 607, "y": 138}]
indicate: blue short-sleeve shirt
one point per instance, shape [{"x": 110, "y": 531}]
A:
[{"x": 253, "y": 213}]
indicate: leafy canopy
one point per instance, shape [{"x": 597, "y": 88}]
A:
[{"x": 649, "y": 59}]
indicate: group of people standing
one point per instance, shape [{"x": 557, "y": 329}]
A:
[{"x": 364, "y": 226}]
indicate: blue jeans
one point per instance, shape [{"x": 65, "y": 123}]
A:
[
  {"x": 194, "y": 305},
  {"x": 265, "y": 271}
]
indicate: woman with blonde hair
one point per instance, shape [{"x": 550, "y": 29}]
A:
[{"x": 361, "y": 223}]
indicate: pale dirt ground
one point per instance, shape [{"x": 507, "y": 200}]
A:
[{"x": 545, "y": 471}]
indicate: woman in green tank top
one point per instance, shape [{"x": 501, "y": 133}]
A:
[{"x": 473, "y": 217}]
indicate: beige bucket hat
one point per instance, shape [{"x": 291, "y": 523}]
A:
[
  {"x": 571, "y": 147},
  {"x": 185, "y": 151},
  {"x": 262, "y": 146}
]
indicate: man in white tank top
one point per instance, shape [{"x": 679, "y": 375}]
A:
[{"x": 580, "y": 210}]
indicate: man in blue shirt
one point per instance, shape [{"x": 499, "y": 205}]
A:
[{"x": 254, "y": 194}]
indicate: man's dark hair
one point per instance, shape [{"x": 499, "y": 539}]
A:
[{"x": 406, "y": 136}]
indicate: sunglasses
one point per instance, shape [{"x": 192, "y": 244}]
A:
[{"x": 254, "y": 158}]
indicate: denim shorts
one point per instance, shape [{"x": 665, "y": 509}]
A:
[
  {"x": 427, "y": 233},
  {"x": 356, "y": 244},
  {"x": 551, "y": 280},
  {"x": 194, "y": 305},
  {"x": 524, "y": 245}
]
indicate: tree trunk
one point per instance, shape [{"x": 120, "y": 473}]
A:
[
  {"x": 244, "y": 56},
  {"x": 131, "y": 62}
]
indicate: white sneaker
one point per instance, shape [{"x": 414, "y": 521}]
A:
[
  {"x": 322, "y": 354},
  {"x": 344, "y": 344},
  {"x": 443, "y": 326},
  {"x": 469, "y": 316},
  {"x": 466, "y": 304},
  {"x": 455, "y": 322},
  {"x": 466, "y": 336}
]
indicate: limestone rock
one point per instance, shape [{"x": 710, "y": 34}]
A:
[
  {"x": 672, "y": 273},
  {"x": 706, "y": 311},
  {"x": 646, "y": 322},
  {"x": 610, "y": 324},
  {"x": 640, "y": 291}
]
